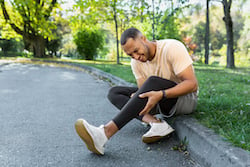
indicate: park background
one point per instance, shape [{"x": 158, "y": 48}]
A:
[{"x": 216, "y": 34}]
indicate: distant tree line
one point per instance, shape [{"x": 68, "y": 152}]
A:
[{"x": 93, "y": 27}]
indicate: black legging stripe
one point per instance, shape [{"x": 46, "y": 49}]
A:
[{"x": 131, "y": 107}]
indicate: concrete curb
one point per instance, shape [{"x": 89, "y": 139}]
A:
[{"x": 206, "y": 147}]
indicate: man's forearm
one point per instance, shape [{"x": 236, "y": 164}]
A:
[{"x": 183, "y": 88}]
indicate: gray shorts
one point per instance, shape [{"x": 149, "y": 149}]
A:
[{"x": 185, "y": 105}]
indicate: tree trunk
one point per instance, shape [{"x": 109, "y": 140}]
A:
[
  {"x": 229, "y": 28},
  {"x": 38, "y": 46},
  {"x": 153, "y": 25},
  {"x": 207, "y": 35},
  {"x": 116, "y": 30},
  {"x": 32, "y": 42},
  {"x": 230, "y": 43}
]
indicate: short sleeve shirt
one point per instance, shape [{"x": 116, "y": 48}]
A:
[{"x": 171, "y": 58}]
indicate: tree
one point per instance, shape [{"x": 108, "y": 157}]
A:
[
  {"x": 229, "y": 29},
  {"x": 10, "y": 47},
  {"x": 207, "y": 34},
  {"x": 88, "y": 41},
  {"x": 34, "y": 24},
  {"x": 93, "y": 12},
  {"x": 113, "y": 5},
  {"x": 199, "y": 36},
  {"x": 155, "y": 16},
  {"x": 53, "y": 45},
  {"x": 169, "y": 27}
]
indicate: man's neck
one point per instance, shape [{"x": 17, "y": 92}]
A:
[{"x": 152, "y": 49}]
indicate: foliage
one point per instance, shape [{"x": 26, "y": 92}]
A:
[
  {"x": 199, "y": 36},
  {"x": 169, "y": 27},
  {"x": 62, "y": 29},
  {"x": 244, "y": 40},
  {"x": 31, "y": 19},
  {"x": 69, "y": 48},
  {"x": 88, "y": 42},
  {"x": 170, "y": 19},
  {"x": 10, "y": 47}
]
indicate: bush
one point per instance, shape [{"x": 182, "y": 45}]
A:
[{"x": 88, "y": 41}]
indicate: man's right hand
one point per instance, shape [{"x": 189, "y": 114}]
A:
[{"x": 132, "y": 95}]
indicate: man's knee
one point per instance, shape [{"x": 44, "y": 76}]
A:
[
  {"x": 112, "y": 93},
  {"x": 152, "y": 78}
]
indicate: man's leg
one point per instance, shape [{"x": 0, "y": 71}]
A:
[
  {"x": 96, "y": 137},
  {"x": 136, "y": 104},
  {"x": 120, "y": 95}
]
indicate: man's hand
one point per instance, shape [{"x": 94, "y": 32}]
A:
[
  {"x": 153, "y": 98},
  {"x": 132, "y": 95}
]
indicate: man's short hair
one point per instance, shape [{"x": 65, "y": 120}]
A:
[{"x": 129, "y": 33}]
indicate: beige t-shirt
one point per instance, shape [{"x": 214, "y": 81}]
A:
[{"x": 171, "y": 58}]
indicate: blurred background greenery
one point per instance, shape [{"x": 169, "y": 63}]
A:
[{"x": 90, "y": 29}]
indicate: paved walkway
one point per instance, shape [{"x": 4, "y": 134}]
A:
[{"x": 39, "y": 105}]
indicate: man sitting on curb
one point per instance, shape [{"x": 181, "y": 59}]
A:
[{"x": 165, "y": 79}]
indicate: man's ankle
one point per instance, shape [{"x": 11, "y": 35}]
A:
[
  {"x": 150, "y": 119},
  {"x": 110, "y": 129}
]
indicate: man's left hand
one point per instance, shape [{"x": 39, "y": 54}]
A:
[{"x": 153, "y": 98}]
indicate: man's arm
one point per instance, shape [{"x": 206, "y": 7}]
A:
[
  {"x": 189, "y": 84},
  {"x": 140, "y": 82}
]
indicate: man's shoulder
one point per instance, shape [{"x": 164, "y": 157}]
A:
[
  {"x": 168, "y": 41},
  {"x": 165, "y": 45}
]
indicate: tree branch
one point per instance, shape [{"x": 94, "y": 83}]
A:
[
  {"x": 49, "y": 10},
  {"x": 221, "y": 1},
  {"x": 229, "y": 5},
  {"x": 7, "y": 18}
]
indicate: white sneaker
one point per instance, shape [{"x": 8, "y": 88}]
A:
[
  {"x": 157, "y": 131},
  {"x": 94, "y": 137}
]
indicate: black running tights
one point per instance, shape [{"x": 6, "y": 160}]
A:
[{"x": 131, "y": 106}]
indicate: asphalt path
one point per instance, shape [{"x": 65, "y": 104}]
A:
[{"x": 38, "y": 108}]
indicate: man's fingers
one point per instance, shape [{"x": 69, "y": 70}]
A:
[
  {"x": 142, "y": 112},
  {"x": 143, "y": 95},
  {"x": 132, "y": 94},
  {"x": 146, "y": 109}
]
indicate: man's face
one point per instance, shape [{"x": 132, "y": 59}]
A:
[{"x": 137, "y": 49}]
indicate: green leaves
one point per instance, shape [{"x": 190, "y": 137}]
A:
[
  {"x": 88, "y": 42},
  {"x": 32, "y": 17}
]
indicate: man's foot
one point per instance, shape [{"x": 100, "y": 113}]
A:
[
  {"x": 94, "y": 137},
  {"x": 157, "y": 131}
]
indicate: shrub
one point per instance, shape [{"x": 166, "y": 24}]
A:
[{"x": 88, "y": 41}]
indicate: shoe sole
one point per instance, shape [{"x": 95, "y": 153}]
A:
[
  {"x": 85, "y": 136},
  {"x": 154, "y": 139}
]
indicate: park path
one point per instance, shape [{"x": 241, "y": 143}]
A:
[{"x": 39, "y": 105}]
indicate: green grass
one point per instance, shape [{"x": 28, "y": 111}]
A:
[
  {"x": 224, "y": 98},
  {"x": 224, "y": 102}
]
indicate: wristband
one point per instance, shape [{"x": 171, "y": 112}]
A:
[{"x": 164, "y": 94}]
